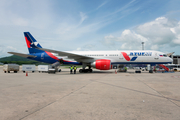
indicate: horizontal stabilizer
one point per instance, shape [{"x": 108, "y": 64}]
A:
[{"x": 22, "y": 55}]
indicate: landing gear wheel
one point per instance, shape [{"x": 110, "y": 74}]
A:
[
  {"x": 150, "y": 71},
  {"x": 90, "y": 70},
  {"x": 85, "y": 70},
  {"x": 80, "y": 70}
]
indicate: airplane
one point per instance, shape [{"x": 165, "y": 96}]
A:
[{"x": 102, "y": 60}]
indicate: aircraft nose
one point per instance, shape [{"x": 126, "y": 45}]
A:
[{"x": 170, "y": 59}]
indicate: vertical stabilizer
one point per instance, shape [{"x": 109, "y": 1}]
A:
[{"x": 32, "y": 44}]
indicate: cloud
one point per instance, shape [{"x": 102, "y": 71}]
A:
[
  {"x": 127, "y": 7},
  {"x": 83, "y": 17},
  {"x": 87, "y": 47},
  {"x": 157, "y": 34},
  {"x": 78, "y": 49},
  {"x": 5, "y": 49},
  {"x": 158, "y": 31},
  {"x": 101, "y": 5},
  {"x": 25, "y": 13},
  {"x": 72, "y": 31},
  {"x": 20, "y": 21},
  {"x": 54, "y": 24},
  {"x": 128, "y": 40},
  {"x": 161, "y": 31}
]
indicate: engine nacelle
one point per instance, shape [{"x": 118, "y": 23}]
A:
[
  {"x": 56, "y": 64},
  {"x": 102, "y": 64}
]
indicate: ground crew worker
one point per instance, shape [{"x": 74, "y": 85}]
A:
[
  {"x": 75, "y": 69},
  {"x": 125, "y": 69},
  {"x": 155, "y": 69},
  {"x": 71, "y": 68}
]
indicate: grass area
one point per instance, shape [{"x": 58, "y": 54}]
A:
[{"x": 19, "y": 60}]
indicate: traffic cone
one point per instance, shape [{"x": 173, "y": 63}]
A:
[
  {"x": 26, "y": 73},
  {"x": 115, "y": 72}
]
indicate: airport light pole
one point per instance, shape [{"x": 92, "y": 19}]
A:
[{"x": 142, "y": 45}]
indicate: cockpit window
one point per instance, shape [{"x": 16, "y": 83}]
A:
[{"x": 164, "y": 55}]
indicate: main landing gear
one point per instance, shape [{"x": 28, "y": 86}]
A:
[{"x": 85, "y": 70}]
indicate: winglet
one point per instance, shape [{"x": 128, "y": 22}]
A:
[{"x": 169, "y": 54}]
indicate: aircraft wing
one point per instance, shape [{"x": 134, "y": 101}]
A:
[
  {"x": 77, "y": 57},
  {"x": 22, "y": 55}
]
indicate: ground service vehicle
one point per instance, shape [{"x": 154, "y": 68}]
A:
[
  {"x": 175, "y": 67},
  {"x": 43, "y": 68},
  {"x": 27, "y": 68},
  {"x": 11, "y": 67}
]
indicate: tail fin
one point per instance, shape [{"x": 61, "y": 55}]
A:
[{"x": 32, "y": 44}]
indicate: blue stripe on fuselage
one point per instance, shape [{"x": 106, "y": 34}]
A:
[{"x": 43, "y": 57}]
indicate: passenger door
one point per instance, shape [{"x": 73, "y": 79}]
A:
[{"x": 156, "y": 57}]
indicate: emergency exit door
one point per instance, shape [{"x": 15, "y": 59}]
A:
[{"x": 121, "y": 56}]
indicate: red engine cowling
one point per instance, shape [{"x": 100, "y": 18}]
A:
[{"x": 102, "y": 64}]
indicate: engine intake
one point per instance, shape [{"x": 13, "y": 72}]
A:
[{"x": 102, "y": 64}]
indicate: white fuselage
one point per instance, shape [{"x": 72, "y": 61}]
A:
[{"x": 125, "y": 57}]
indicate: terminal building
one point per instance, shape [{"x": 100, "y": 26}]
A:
[{"x": 176, "y": 59}]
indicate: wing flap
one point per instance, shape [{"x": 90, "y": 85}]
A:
[{"x": 22, "y": 55}]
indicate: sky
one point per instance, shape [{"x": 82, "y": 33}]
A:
[{"x": 90, "y": 25}]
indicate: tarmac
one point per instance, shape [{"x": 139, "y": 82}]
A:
[{"x": 101, "y": 95}]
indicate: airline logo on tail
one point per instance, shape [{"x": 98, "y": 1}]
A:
[{"x": 31, "y": 42}]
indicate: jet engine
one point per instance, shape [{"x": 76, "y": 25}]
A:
[{"x": 102, "y": 64}]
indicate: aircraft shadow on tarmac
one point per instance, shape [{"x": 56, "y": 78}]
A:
[
  {"x": 77, "y": 73},
  {"x": 98, "y": 72}
]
